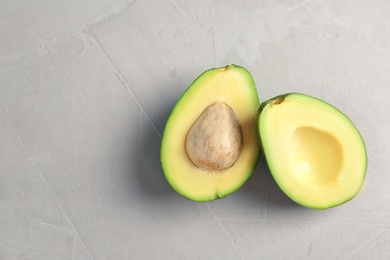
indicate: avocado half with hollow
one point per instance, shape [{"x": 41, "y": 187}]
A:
[
  {"x": 209, "y": 146},
  {"x": 314, "y": 152}
]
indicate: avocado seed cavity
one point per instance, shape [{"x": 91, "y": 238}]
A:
[{"x": 214, "y": 141}]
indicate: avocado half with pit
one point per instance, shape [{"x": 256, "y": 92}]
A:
[
  {"x": 314, "y": 152},
  {"x": 210, "y": 145}
]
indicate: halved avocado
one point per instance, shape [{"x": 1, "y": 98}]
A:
[
  {"x": 314, "y": 152},
  {"x": 209, "y": 146}
]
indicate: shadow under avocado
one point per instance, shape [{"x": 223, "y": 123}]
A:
[
  {"x": 265, "y": 192},
  {"x": 148, "y": 166}
]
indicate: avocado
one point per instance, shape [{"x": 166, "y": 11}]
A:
[
  {"x": 314, "y": 152},
  {"x": 209, "y": 146}
]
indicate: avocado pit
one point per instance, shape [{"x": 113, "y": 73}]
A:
[{"x": 214, "y": 142}]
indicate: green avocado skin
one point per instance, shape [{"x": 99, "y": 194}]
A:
[
  {"x": 172, "y": 119},
  {"x": 262, "y": 106},
  {"x": 279, "y": 100}
]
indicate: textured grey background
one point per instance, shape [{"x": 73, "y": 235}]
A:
[{"x": 86, "y": 88}]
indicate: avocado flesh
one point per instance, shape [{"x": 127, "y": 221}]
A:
[
  {"x": 314, "y": 152},
  {"x": 234, "y": 86}
]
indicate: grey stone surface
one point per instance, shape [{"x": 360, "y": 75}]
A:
[{"x": 86, "y": 88}]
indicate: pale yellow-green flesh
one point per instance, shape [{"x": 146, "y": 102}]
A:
[
  {"x": 314, "y": 152},
  {"x": 233, "y": 86}
]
